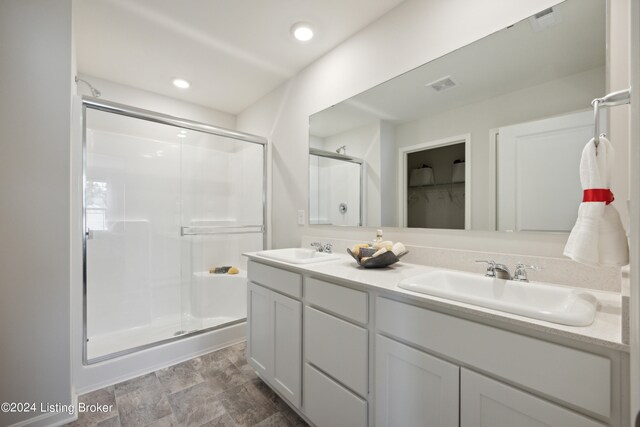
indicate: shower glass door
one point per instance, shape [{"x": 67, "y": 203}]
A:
[
  {"x": 335, "y": 191},
  {"x": 164, "y": 205},
  {"x": 222, "y": 217}
]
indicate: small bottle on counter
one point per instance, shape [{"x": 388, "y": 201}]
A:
[{"x": 378, "y": 238}]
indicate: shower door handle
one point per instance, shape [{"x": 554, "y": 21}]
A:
[
  {"x": 213, "y": 230},
  {"x": 89, "y": 234}
]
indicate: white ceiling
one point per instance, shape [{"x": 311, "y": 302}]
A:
[
  {"x": 512, "y": 59},
  {"x": 232, "y": 51}
]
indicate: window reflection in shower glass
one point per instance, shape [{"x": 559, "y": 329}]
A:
[
  {"x": 96, "y": 194},
  {"x": 156, "y": 200}
]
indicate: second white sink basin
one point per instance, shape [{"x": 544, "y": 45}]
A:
[
  {"x": 298, "y": 255},
  {"x": 555, "y": 304}
]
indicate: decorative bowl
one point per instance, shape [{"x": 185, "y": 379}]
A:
[{"x": 381, "y": 261}]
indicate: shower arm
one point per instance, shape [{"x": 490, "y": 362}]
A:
[{"x": 94, "y": 92}]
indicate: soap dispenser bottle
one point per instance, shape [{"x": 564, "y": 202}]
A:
[{"x": 378, "y": 238}]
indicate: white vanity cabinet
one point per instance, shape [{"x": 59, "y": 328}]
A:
[
  {"x": 574, "y": 379},
  {"x": 355, "y": 356},
  {"x": 333, "y": 375},
  {"x": 414, "y": 388},
  {"x": 274, "y": 338}
]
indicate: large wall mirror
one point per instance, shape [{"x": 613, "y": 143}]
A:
[{"x": 487, "y": 137}]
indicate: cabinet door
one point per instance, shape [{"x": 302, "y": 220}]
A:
[
  {"x": 287, "y": 343},
  {"x": 486, "y": 402},
  {"x": 260, "y": 335},
  {"x": 414, "y": 388}
]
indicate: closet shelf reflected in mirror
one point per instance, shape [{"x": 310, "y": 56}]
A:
[{"x": 436, "y": 186}]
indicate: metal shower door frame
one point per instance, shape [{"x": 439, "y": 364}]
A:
[{"x": 155, "y": 117}]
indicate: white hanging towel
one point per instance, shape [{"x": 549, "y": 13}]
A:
[{"x": 598, "y": 237}]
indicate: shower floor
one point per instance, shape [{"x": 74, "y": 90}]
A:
[{"x": 102, "y": 345}]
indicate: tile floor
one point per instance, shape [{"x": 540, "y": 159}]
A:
[{"x": 217, "y": 389}]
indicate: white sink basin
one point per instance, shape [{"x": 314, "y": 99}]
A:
[
  {"x": 555, "y": 304},
  {"x": 298, "y": 255}
]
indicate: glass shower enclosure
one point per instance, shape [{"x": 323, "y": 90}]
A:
[
  {"x": 336, "y": 188},
  {"x": 166, "y": 202}
]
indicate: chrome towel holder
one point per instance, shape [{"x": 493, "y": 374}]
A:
[{"x": 613, "y": 99}]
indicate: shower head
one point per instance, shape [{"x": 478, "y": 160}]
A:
[
  {"x": 343, "y": 149},
  {"x": 94, "y": 92}
]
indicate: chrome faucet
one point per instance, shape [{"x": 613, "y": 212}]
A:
[
  {"x": 326, "y": 248},
  {"x": 497, "y": 270},
  {"x": 520, "y": 275}
]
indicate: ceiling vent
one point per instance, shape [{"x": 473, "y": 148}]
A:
[
  {"x": 440, "y": 85},
  {"x": 545, "y": 19}
]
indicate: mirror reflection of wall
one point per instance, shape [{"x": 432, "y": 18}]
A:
[
  {"x": 549, "y": 65},
  {"x": 436, "y": 187}
]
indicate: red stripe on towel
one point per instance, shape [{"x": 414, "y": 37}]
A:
[{"x": 598, "y": 195}]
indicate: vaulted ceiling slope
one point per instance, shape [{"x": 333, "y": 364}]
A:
[{"x": 232, "y": 52}]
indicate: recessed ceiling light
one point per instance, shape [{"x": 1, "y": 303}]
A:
[
  {"x": 302, "y": 31},
  {"x": 181, "y": 83}
]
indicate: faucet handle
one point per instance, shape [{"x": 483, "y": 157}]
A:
[
  {"x": 327, "y": 247},
  {"x": 520, "y": 274},
  {"x": 491, "y": 267}
]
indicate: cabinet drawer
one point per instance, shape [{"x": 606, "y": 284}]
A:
[
  {"x": 337, "y": 347},
  {"x": 486, "y": 402},
  {"x": 341, "y": 300},
  {"x": 277, "y": 279},
  {"x": 573, "y": 376},
  {"x": 327, "y": 404}
]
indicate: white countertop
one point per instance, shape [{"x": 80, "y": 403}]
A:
[{"x": 605, "y": 331}]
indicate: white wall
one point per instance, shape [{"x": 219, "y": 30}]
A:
[
  {"x": 134, "y": 97},
  {"x": 35, "y": 113},
  {"x": 634, "y": 159},
  {"x": 415, "y": 32},
  {"x": 618, "y": 78},
  {"x": 388, "y": 175}
]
